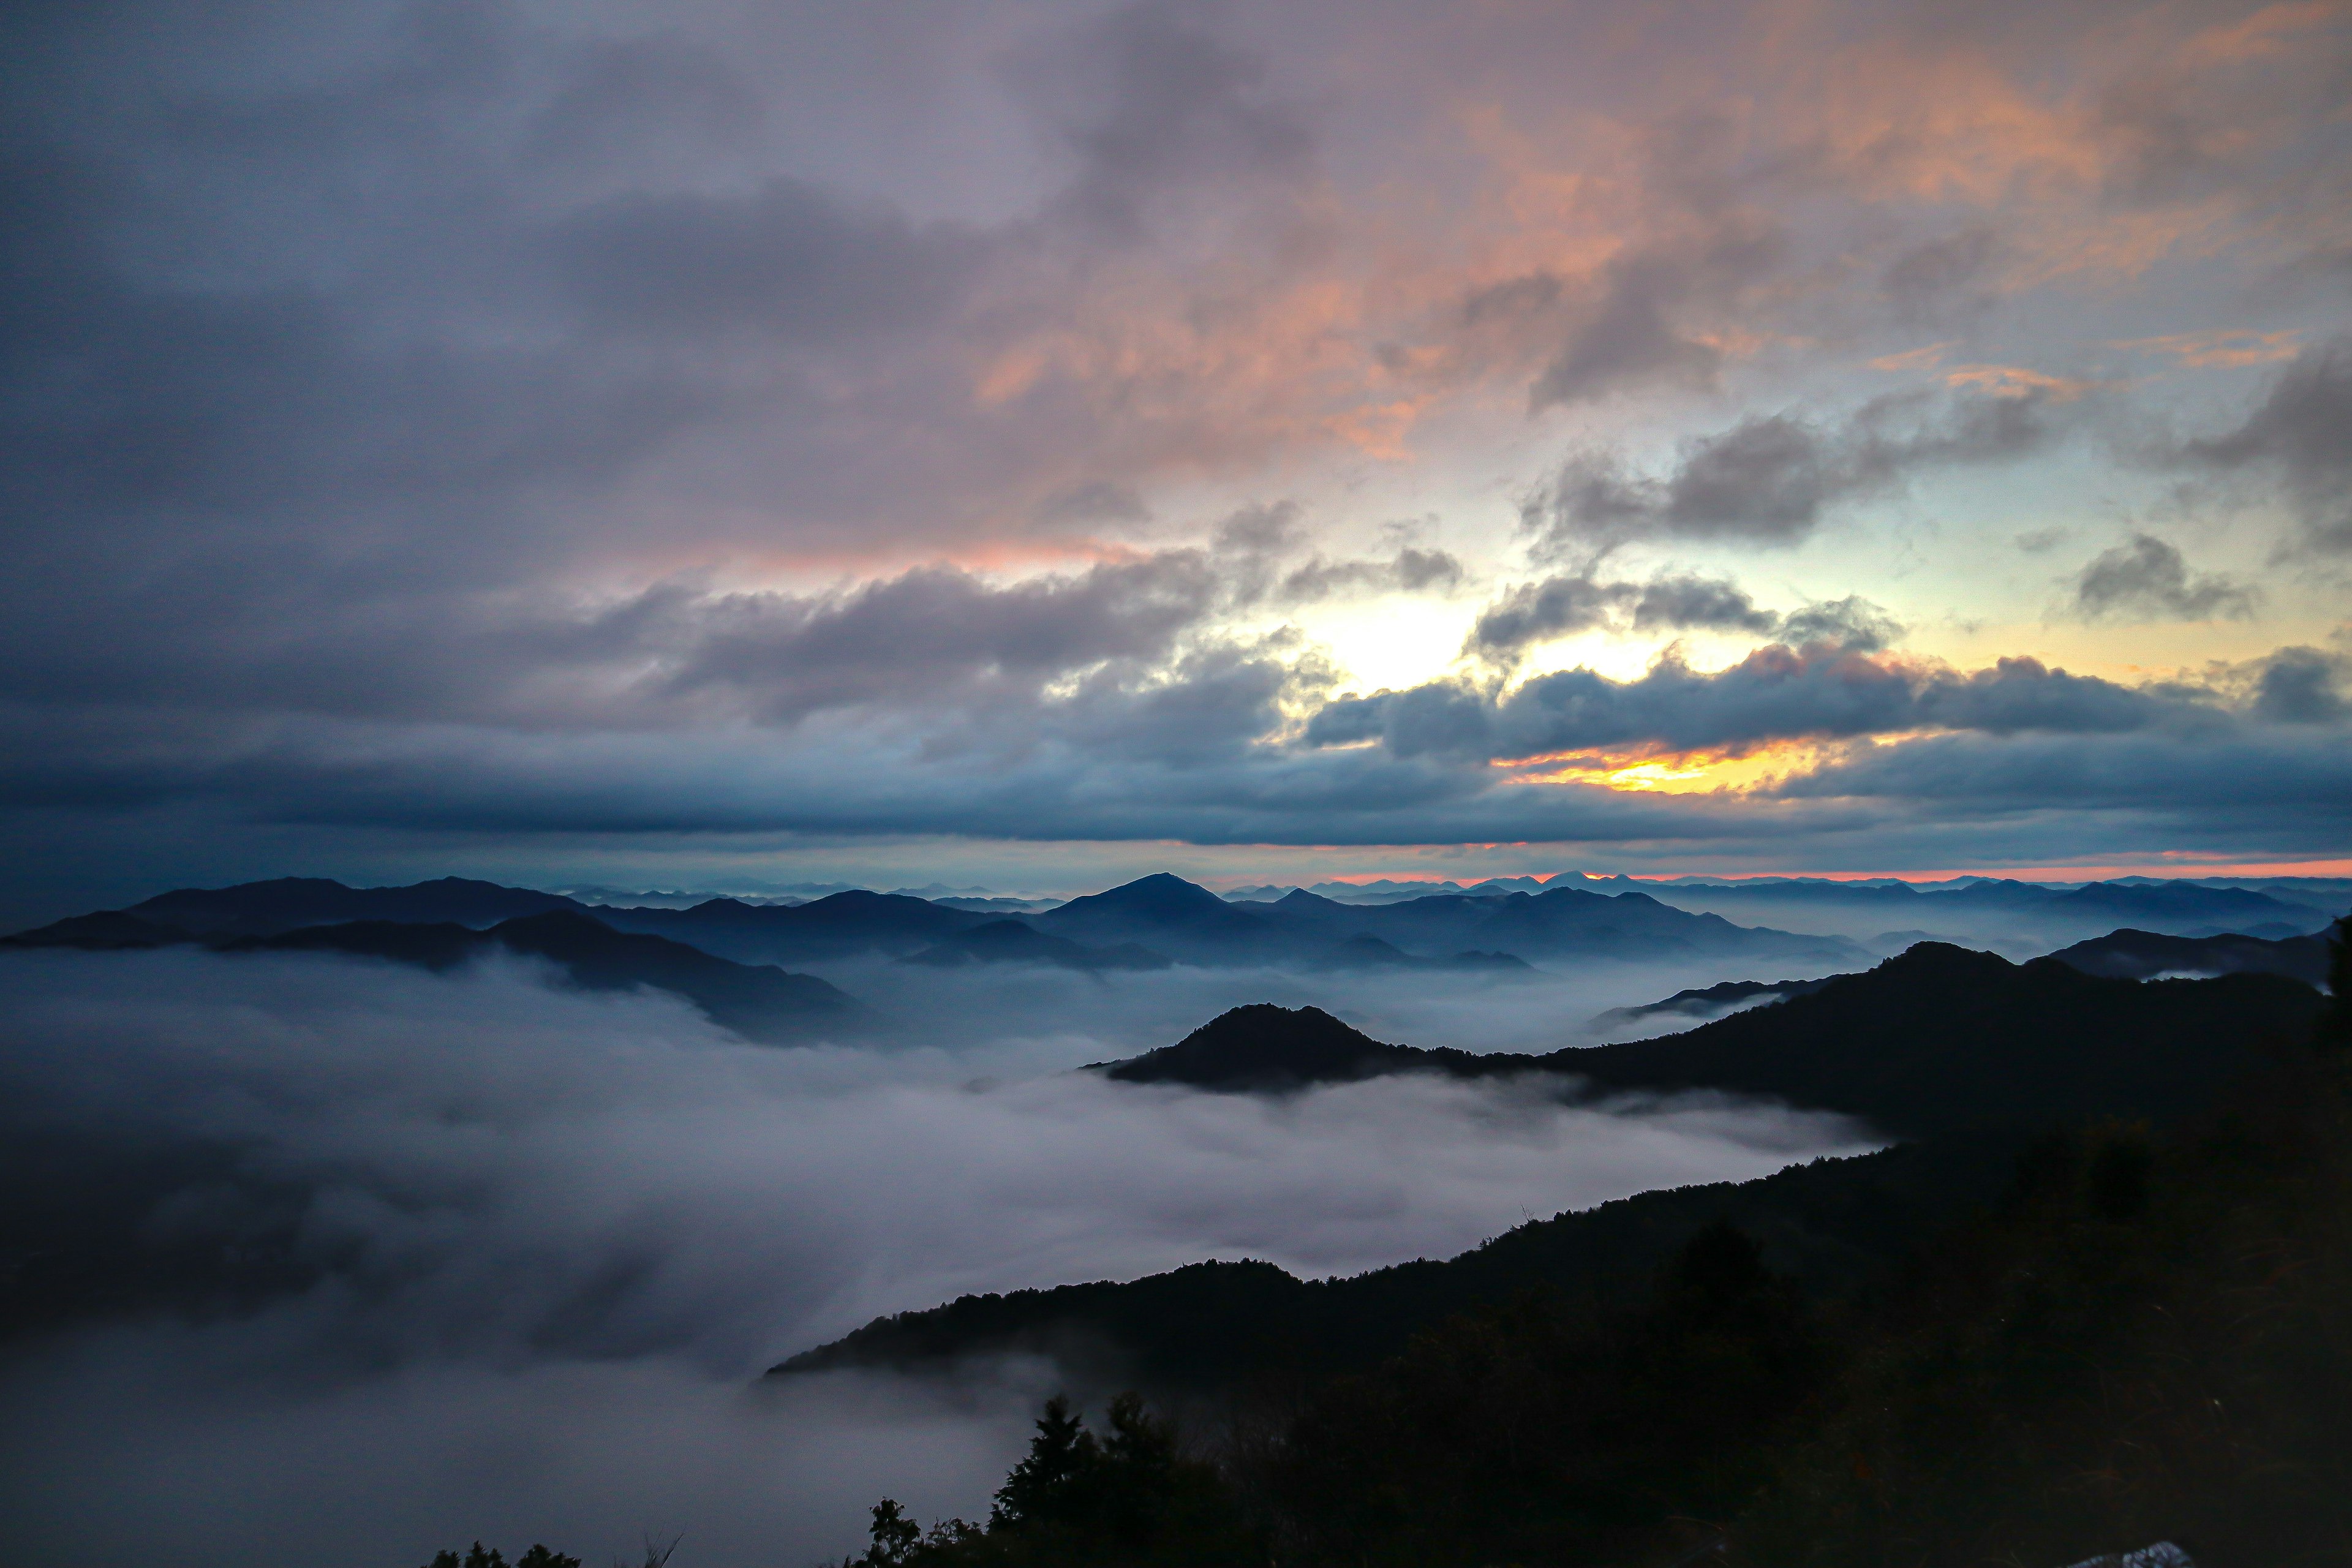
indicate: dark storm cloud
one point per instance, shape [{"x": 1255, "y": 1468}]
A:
[
  {"x": 1771, "y": 478},
  {"x": 2300, "y": 437},
  {"x": 1561, "y": 607},
  {"x": 2284, "y": 787},
  {"x": 1819, "y": 690},
  {"x": 2148, "y": 578},
  {"x": 2302, "y": 686},
  {"x": 919, "y": 636}
]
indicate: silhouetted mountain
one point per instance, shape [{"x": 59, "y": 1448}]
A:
[
  {"x": 1937, "y": 1039},
  {"x": 257, "y": 909},
  {"x": 106, "y": 931},
  {"x": 2142, "y": 955},
  {"x": 1163, "y": 916},
  {"x": 1263, "y": 1047},
  {"x": 1703, "y": 1001},
  {"x": 759, "y": 1003},
  {"x": 1993, "y": 911},
  {"x": 1831, "y": 1222},
  {"x": 1172, "y": 916},
  {"x": 1012, "y": 942},
  {"x": 1981, "y": 1054},
  {"x": 838, "y": 926}
]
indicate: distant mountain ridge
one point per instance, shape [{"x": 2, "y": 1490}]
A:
[
  {"x": 758, "y": 1002},
  {"x": 2142, "y": 955},
  {"x": 1937, "y": 1039},
  {"x": 1974, "y": 1056},
  {"x": 1499, "y": 927}
]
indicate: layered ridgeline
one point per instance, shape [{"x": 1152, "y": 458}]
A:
[
  {"x": 2107, "y": 1305},
  {"x": 1145, "y": 924},
  {"x": 1495, "y": 928},
  {"x": 759, "y": 1002},
  {"x": 1964, "y": 1055}
]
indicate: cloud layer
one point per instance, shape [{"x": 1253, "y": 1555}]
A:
[
  {"x": 449, "y": 401},
  {"x": 526, "y": 1249}
]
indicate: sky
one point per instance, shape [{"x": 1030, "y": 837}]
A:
[{"x": 1034, "y": 444}]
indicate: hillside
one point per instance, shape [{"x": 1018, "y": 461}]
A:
[
  {"x": 1936, "y": 1038},
  {"x": 1972, "y": 1056},
  {"x": 758, "y": 1002}
]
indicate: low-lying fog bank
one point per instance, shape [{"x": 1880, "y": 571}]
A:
[{"x": 536, "y": 1244}]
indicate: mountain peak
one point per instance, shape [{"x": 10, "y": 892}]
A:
[
  {"x": 1264, "y": 1046},
  {"x": 1160, "y": 890}
]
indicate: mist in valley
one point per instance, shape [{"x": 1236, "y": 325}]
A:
[{"x": 529, "y": 1249}]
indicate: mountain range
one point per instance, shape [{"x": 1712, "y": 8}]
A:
[
  {"x": 1937, "y": 1039},
  {"x": 1141, "y": 923},
  {"x": 757, "y": 1002},
  {"x": 1967, "y": 1056}
]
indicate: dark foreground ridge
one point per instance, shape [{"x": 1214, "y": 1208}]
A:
[
  {"x": 2129, "y": 954},
  {"x": 1971, "y": 1055},
  {"x": 1936, "y": 1038},
  {"x": 757, "y": 1002},
  {"x": 1994, "y": 1345}
]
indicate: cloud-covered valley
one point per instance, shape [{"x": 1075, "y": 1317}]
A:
[{"x": 393, "y": 1258}]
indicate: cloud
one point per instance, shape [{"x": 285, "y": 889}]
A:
[
  {"x": 1820, "y": 689},
  {"x": 786, "y": 261},
  {"x": 1153, "y": 102},
  {"x": 1942, "y": 278},
  {"x": 2148, "y": 578},
  {"x": 514, "y": 1255},
  {"x": 929, "y": 635},
  {"x": 2302, "y": 686},
  {"x": 1565, "y": 605},
  {"x": 2299, "y": 436},
  {"x": 1772, "y": 478},
  {"x": 2225, "y": 349}
]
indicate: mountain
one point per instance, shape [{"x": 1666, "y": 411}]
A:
[
  {"x": 1263, "y": 1047},
  {"x": 108, "y": 931},
  {"x": 2143, "y": 955},
  {"x": 257, "y": 909},
  {"x": 759, "y": 1003},
  {"x": 1012, "y": 942},
  {"x": 1935, "y": 1039},
  {"x": 838, "y": 926},
  {"x": 1173, "y": 916},
  {"x": 2016, "y": 917},
  {"x": 1979, "y": 1056},
  {"x": 1227, "y": 1325},
  {"x": 1158, "y": 917},
  {"x": 1191, "y": 923},
  {"x": 1701, "y": 1001}
]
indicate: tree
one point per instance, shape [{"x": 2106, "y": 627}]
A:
[
  {"x": 1050, "y": 1484},
  {"x": 894, "y": 1536}
]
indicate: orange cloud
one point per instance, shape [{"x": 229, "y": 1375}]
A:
[
  {"x": 2015, "y": 381},
  {"x": 1926, "y": 358},
  {"x": 2223, "y": 350}
]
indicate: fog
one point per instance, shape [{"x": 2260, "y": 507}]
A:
[{"x": 536, "y": 1245}]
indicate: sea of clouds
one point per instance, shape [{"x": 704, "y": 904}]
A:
[{"x": 540, "y": 1244}]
